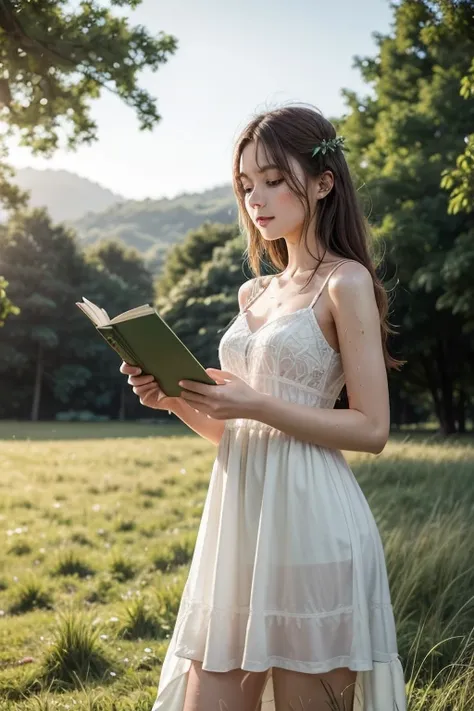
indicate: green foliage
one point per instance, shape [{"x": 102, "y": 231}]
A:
[
  {"x": 55, "y": 60},
  {"x": 103, "y": 590},
  {"x": 71, "y": 563},
  {"x": 124, "y": 266},
  {"x": 50, "y": 355},
  {"x": 460, "y": 180},
  {"x": 142, "y": 621},
  {"x": 20, "y": 548},
  {"x": 30, "y": 594},
  {"x": 122, "y": 569},
  {"x": 152, "y": 226},
  {"x": 6, "y": 306},
  {"x": 44, "y": 45},
  {"x": 153, "y": 619},
  {"x": 174, "y": 553},
  {"x": 194, "y": 250},
  {"x": 203, "y": 302},
  {"x": 402, "y": 139},
  {"x": 427, "y": 542},
  {"x": 76, "y": 654}
]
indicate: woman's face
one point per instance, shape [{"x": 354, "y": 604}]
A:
[{"x": 268, "y": 195}]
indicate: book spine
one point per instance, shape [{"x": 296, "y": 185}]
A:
[{"x": 117, "y": 343}]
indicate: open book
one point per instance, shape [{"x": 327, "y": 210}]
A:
[{"x": 141, "y": 337}]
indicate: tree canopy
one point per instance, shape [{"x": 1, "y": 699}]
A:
[
  {"x": 403, "y": 138},
  {"x": 55, "y": 59}
]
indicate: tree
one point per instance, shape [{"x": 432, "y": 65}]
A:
[
  {"x": 55, "y": 60},
  {"x": 194, "y": 250},
  {"x": 402, "y": 139},
  {"x": 460, "y": 180},
  {"x": 203, "y": 302},
  {"x": 121, "y": 281},
  {"x": 125, "y": 265},
  {"x": 6, "y": 306},
  {"x": 50, "y": 356},
  {"x": 43, "y": 266}
]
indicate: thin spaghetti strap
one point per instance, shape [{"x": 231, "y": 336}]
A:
[
  {"x": 255, "y": 292},
  {"x": 326, "y": 281}
]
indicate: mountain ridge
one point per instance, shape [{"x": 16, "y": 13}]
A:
[{"x": 150, "y": 225}]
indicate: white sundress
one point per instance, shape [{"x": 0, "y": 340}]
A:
[{"x": 288, "y": 569}]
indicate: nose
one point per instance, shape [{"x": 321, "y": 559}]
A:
[{"x": 256, "y": 198}]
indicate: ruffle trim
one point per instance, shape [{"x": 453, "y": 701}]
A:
[{"x": 232, "y": 638}]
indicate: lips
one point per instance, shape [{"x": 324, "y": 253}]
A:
[{"x": 264, "y": 220}]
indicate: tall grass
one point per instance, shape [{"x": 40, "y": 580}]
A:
[
  {"x": 76, "y": 653},
  {"x": 99, "y": 535}
]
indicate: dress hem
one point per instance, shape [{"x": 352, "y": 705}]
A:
[
  {"x": 291, "y": 665},
  {"x": 380, "y": 688}
]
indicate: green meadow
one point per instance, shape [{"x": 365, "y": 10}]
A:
[{"x": 98, "y": 525}]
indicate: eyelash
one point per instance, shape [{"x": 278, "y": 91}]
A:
[{"x": 271, "y": 183}]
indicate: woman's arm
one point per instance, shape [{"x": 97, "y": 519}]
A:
[
  {"x": 364, "y": 427},
  {"x": 199, "y": 422}
]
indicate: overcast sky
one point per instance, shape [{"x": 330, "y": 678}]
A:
[{"x": 235, "y": 57}]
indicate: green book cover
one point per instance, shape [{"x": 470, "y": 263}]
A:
[{"x": 141, "y": 337}]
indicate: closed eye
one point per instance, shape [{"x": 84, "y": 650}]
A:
[{"x": 271, "y": 183}]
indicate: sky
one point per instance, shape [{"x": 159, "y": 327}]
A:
[{"x": 235, "y": 58}]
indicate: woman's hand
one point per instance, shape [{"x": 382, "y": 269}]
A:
[
  {"x": 231, "y": 398},
  {"x": 148, "y": 390}
]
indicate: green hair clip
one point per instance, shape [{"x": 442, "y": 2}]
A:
[{"x": 329, "y": 145}]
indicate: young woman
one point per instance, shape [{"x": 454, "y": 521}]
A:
[{"x": 287, "y": 603}]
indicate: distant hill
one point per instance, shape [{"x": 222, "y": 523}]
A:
[
  {"x": 147, "y": 223},
  {"x": 150, "y": 226},
  {"x": 66, "y": 195}
]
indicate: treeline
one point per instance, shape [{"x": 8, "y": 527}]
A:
[
  {"x": 51, "y": 361},
  {"x": 52, "y": 364}
]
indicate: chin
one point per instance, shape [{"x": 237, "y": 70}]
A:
[{"x": 269, "y": 233}]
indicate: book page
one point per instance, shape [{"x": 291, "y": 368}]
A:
[
  {"x": 98, "y": 316},
  {"x": 144, "y": 310}
]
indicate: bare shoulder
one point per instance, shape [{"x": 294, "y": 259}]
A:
[
  {"x": 245, "y": 290},
  {"x": 249, "y": 288},
  {"x": 351, "y": 280}
]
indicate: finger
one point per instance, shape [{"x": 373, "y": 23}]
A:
[
  {"x": 140, "y": 379},
  {"x": 128, "y": 369},
  {"x": 194, "y": 399},
  {"x": 146, "y": 398},
  {"x": 144, "y": 389},
  {"x": 194, "y": 386},
  {"x": 221, "y": 375}
]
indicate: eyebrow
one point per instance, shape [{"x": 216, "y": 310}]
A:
[{"x": 263, "y": 169}]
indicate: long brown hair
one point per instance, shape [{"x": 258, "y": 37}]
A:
[{"x": 340, "y": 224}]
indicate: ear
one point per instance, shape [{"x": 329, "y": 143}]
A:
[{"x": 325, "y": 183}]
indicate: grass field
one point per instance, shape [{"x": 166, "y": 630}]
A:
[{"x": 99, "y": 523}]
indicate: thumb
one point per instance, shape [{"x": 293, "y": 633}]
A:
[
  {"x": 219, "y": 375},
  {"x": 217, "y": 371}
]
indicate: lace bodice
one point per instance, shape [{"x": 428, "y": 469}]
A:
[{"x": 287, "y": 357}]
